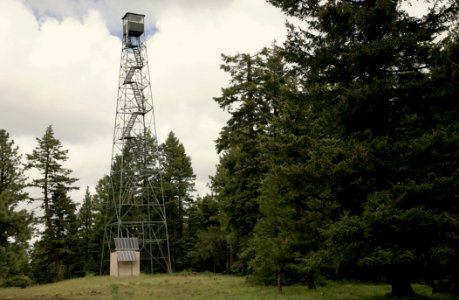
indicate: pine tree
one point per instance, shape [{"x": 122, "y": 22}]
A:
[
  {"x": 251, "y": 101},
  {"x": 178, "y": 183},
  {"x": 135, "y": 174},
  {"x": 11, "y": 174},
  {"x": 375, "y": 81},
  {"x": 15, "y": 225},
  {"x": 275, "y": 235},
  {"x": 47, "y": 159},
  {"x": 210, "y": 250},
  {"x": 54, "y": 254},
  {"x": 205, "y": 237},
  {"x": 86, "y": 222},
  {"x": 65, "y": 233},
  {"x": 291, "y": 213},
  {"x": 101, "y": 201},
  {"x": 178, "y": 176}
]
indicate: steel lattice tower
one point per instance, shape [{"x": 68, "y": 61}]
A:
[{"x": 136, "y": 211}]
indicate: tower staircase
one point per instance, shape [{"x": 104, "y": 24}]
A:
[{"x": 135, "y": 86}]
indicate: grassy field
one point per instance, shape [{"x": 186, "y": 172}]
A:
[{"x": 201, "y": 286}]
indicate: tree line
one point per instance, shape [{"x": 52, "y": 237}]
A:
[
  {"x": 339, "y": 160},
  {"x": 68, "y": 241}
]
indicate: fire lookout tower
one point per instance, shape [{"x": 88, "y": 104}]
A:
[{"x": 135, "y": 236}]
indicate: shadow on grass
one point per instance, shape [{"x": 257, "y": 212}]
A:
[{"x": 415, "y": 297}]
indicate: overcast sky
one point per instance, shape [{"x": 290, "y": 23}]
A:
[{"x": 60, "y": 62}]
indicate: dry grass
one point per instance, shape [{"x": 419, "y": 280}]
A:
[{"x": 200, "y": 286}]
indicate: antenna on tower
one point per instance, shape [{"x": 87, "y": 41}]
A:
[{"x": 135, "y": 235}]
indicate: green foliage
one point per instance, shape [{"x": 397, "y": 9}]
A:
[
  {"x": 138, "y": 164},
  {"x": 11, "y": 173},
  {"x": 21, "y": 281},
  {"x": 100, "y": 201},
  {"x": 54, "y": 255},
  {"x": 341, "y": 152},
  {"x": 86, "y": 222},
  {"x": 204, "y": 237},
  {"x": 15, "y": 225},
  {"x": 252, "y": 100},
  {"x": 47, "y": 159},
  {"x": 375, "y": 82},
  {"x": 178, "y": 184},
  {"x": 275, "y": 236},
  {"x": 209, "y": 251}
]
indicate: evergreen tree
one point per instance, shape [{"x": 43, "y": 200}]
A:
[
  {"x": 178, "y": 183},
  {"x": 251, "y": 101},
  {"x": 178, "y": 178},
  {"x": 205, "y": 237},
  {"x": 135, "y": 175},
  {"x": 54, "y": 255},
  {"x": 15, "y": 225},
  {"x": 86, "y": 221},
  {"x": 11, "y": 174},
  {"x": 375, "y": 79},
  {"x": 209, "y": 251},
  {"x": 65, "y": 233},
  {"x": 47, "y": 159},
  {"x": 101, "y": 201},
  {"x": 291, "y": 213},
  {"x": 274, "y": 237}
]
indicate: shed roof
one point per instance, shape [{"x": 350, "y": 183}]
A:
[{"x": 126, "y": 255}]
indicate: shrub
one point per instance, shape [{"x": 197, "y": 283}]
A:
[{"x": 17, "y": 281}]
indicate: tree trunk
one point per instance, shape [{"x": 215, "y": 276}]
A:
[
  {"x": 402, "y": 288},
  {"x": 229, "y": 258},
  {"x": 45, "y": 197},
  {"x": 279, "y": 280},
  {"x": 311, "y": 282}
]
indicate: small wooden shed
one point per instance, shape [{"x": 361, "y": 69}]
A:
[{"x": 125, "y": 260}]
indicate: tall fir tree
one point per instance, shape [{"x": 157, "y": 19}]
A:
[
  {"x": 47, "y": 159},
  {"x": 178, "y": 184},
  {"x": 86, "y": 223},
  {"x": 250, "y": 99},
  {"x": 206, "y": 238},
  {"x": 15, "y": 224},
  {"x": 375, "y": 79},
  {"x": 54, "y": 254},
  {"x": 101, "y": 202}
]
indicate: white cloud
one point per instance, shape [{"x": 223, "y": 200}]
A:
[
  {"x": 60, "y": 66},
  {"x": 184, "y": 61},
  {"x": 113, "y": 10},
  {"x": 61, "y": 73}
]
